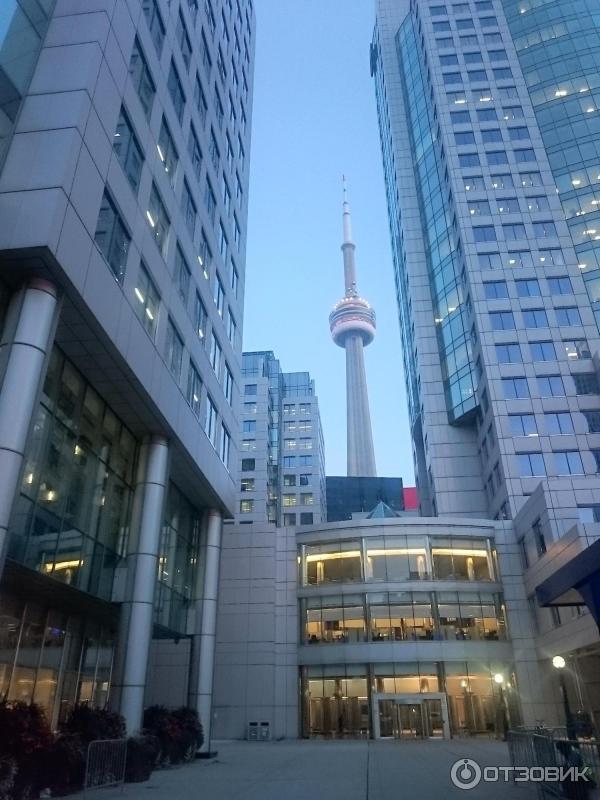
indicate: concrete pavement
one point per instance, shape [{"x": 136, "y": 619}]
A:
[{"x": 323, "y": 770}]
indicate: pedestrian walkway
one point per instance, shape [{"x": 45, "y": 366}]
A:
[{"x": 323, "y": 770}]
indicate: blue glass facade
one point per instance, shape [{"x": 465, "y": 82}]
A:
[
  {"x": 558, "y": 42},
  {"x": 441, "y": 238}
]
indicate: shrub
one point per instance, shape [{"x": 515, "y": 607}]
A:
[
  {"x": 64, "y": 765},
  {"x": 142, "y": 754},
  {"x": 8, "y": 771},
  {"x": 25, "y": 738},
  {"x": 179, "y": 732},
  {"x": 94, "y": 723}
]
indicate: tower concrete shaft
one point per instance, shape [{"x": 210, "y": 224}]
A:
[{"x": 352, "y": 324}]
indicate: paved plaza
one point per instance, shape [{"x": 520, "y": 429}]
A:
[{"x": 318, "y": 770}]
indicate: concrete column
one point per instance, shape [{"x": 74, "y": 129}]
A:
[
  {"x": 28, "y": 336},
  {"x": 361, "y": 455},
  {"x": 149, "y": 498},
  {"x": 203, "y": 654}
]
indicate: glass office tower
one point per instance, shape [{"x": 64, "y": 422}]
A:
[{"x": 489, "y": 140}]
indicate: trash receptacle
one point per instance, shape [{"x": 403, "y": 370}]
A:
[
  {"x": 252, "y": 731},
  {"x": 265, "y": 731}
]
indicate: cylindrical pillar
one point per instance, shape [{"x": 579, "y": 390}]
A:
[
  {"x": 27, "y": 338},
  {"x": 149, "y": 496},
  {"x": 201, "y": 685}
]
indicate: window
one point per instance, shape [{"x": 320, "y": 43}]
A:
[
  {"x": 155, "y": 23},
  {"x": 508, "y": 205},
  {"x": 522, "y": 424},
  {"x": 234, "y": 279},
  {"x": 528, "y": 288},
  {"x": 497, "y": 157},
  {"x": 450, "y": 60},
  {"x": 167, "y": 151},
  {"x": 531, "y": 465},
  {"x": 248, "y": 464},
  {"x": 216, "y": 354},
  {"x": 535, "y": 318},
  {"x": 513, "y": 232},
  {"x": 593, "y": 421},
  {"x": 492, "y": 135},
  {"x": 551, "y": 386},
  {"x": 519, "y": 258},
  {"x": 477, "y": 75},
  {"x": 129, "y": 153},
  {"x": 502, "y": 182},
  {"x": 568, "y": 463},
  {"x": 460, "y": 117},
  {"x": 225, "y": 194},
  {"x": 289, "y": 500},
  {"x": 194, "y": 389},
  {"x": 530, "y": 179},
  {"x": 200, "y": 100},
  {"x": 195, "y": 152},
  {"x": 289, "y": 461},
  {"x": 219, "y": 295},
  {"x": 147, "y": 301},
  {"x": 306, "y": 518},
  {"x": 468, "y": 160},
  {"x": 205, "y": 256},
  {"x": 577, "y": 348},
  {"x": 182, "y": 275},
  {"x": 183, "y": 40},
  {"x": 173, "y": 350},
  {"x": 231, "y": 327},
  {"x": 250, "y": 389},
  {"x": 478, "y": 207},
  {"x": 176, "y": 91},
  {"x": 200, "y": 318},
  {"x": 484, "y": 233},
  {"x": 228, "y": 385},
  {"x": 514, "y": 388},
  {"x": 188, "y": 209},
  {"x": 489, "y": 260},
  {"x": 248, "y": 444},
  {"x": 210, "y": 202},
  {"x": 560, "y": 285},
  {"x": 246, "y": 506},
  {"x": 508, "y": 354},
  {"x": 473, "y": 58},
  {"x": 210, "y": 420},
  {"x": 559, "y": 423},
  {"x": 538, "y": 203},
  {"x": 589, "y": 514},
  {"x": 112, "y": 238},
  {"x": 568, "y": 316},
  {"x": 542, "y": 351},
  {"x": 289, "y": 480},
  {"x": 486, "y": 115},
  {"x": 250, "y": 408},
  {"x": 543, "y": 230},
  {"x": 224, "y": 445},
  {"x": 554, "y": 256},
  {"x": 141, "y": 78},
  {"x": 158, "y": 220},
  {"x": 247, "y": 485},
  {"x": 249, "y": 426},
  {"x": 306, "y": 461},
  {"x": 223, "y": 243},
  {"x": 524, "y": 156},
  {"x": 586, "y": 383},
  {"x": 495, "y": 290},
  {"x": 289, "y": 520},
  {"x": 305, "y": 479},
  {"x": 307, "y": 499},
  {"x": 502, "y": 320}
]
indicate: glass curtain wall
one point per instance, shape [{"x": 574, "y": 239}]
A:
[{"x": 71, "y": 519}]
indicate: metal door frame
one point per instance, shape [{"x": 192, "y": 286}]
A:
[{"x": 411, "y": 699}]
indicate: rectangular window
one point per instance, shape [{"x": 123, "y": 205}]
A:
[
  {"x": 524, "y": 156},
  {"x": 502, "y": 182},
  {"x": 522, "y": 424},
  {"x": 183, "y": 40},
  {"x": 495, "y": 290},
  {"x": 228, "y": 384},
  {"x": 289, "y": 461},
  {"x": 141, "y": 78},
  {"x": 559, "y": 423},
  {"x": 112, "y": 237},
  {"x": 468, "y": 160},
  {"x": 200, "y": 318},
  {"x": 496, "y": 158},
  {"x": 508, "y": 205},
  {"x": 514, "y": 232},
  {"x": 569, "y": 463},
  {"x": 531, "y": 465},
  {"x": 216, "y": 354},
  {"x": 478, "y": 207},
  {"x": 176, "y": 91},
  {"x": 543, "y": 230},
  {"x": 246, "y": 506},
  {"x": 492, "y": 135},
  {"x": 195, "y": 153},
  {"x": 514, "y": 388},
  {"x": 576, "y": 349},
  {"x": 560, "y": 285},
  {"x": 200, "y": 100},
  {"x": 224, "y": 445},
  {"x": 247, "y": 485},
  {"x": 188, "y": 209},
  {"x": 542, "y": 351},
  {"x": 219, "y": 295},
  {"x": 593, "y": 421},
  {"x": 502, "y": 320},
  {"x": 484, "y": 233},
  {"x": 194, "y": 389},
  {"x": 528, "y": 288},
  {"x": 540, "y": 203},
  {"x": 531, "y": 179},
  {"x": 508, "y": 354},
  {"x": 306, "y": 461},
  {"x": 147, "y": 300},
  {"x": 173, "y": 350},
  {"x": 167, "y": 151},
  {"x": 307, "y": 499},
  {"x": 210, "y": 420},
  {"x": 248, "y": 464},
  {"x": 210, "y": 202},
  {"x": 182, "y": 275},
  {"x": 535, "y": 318},
  {"x": 158, "y": 220},
  {"x": 223, "y": 243},
  {"x": 127, "y": 149},
  {"x": 568, "y": 316},
  {"x": 551, "y": 386},
  {"x": 289, "y": 480},
  {"x": 586, "y": 383},
  {"x": 205, "y": 256},
  {"x": 306, "y": 518}
]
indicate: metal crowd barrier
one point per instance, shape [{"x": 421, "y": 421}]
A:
[
  {"x": 545, "y": 749},
  {"x": 105, "y": 763}
]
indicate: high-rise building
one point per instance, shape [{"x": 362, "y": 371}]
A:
[
  {"x": 352, "y": 324},
  {"x": 490, "y": 140},
  {"x": 125, "y": 136},
  {"x": 282, "y": 455}
]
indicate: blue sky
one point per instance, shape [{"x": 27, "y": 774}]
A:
[{"x": 315, "y": 119}]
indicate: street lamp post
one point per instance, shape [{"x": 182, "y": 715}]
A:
[
  {"x": 503, "y": 727},
  {"x": 559, "y": 663}
]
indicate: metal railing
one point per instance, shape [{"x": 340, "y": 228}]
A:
[
  {"x": 547, "y": 748},
  {"x": 105, "y": 763}
]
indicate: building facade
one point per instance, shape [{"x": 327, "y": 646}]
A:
[
  {"x": 282, "y": 454},
  {"x": 124, "y": 137},
  {"x": 487, "y": 122}
]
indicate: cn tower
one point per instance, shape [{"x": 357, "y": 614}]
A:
[{"x": 352, "y": 324}]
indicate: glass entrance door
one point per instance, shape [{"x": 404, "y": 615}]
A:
[
  {"x": 434, "y": 721},
  {"x": 411, "y": 718}
]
